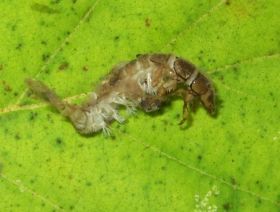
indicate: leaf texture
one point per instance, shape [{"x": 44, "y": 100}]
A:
[{"x": 227, "y": 163}]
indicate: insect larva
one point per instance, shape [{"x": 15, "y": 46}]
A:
[{"x": 145, "y": 82}]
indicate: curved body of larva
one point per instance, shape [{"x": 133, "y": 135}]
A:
[{"x": 146, "y": 83}]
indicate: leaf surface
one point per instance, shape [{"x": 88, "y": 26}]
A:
[{"x": 227, "y": 163}]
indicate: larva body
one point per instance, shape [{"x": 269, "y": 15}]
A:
[{"x": 146, "y": 83}]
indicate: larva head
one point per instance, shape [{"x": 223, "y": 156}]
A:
[
  {"x": 183, "y": 69},
  {"x": 204, "y": 89}
]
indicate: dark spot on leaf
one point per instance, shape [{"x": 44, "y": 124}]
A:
[
  {"x": 221, "y": 78},
  {"x": 147, "y": 22},
  {"x": 7, "y": 88},
  {"x": 85, "y": 68},
  {"x": 233, "y": 181},
  {"x": 88, "y": 183},
  {"x": 71, "y": 207},
  {"x": 235, "y": 69},
  {"x": 163, "y": 168},
  {"x": 159, "y": 182},
  {"x": 36, "y": 147},
  {"x": 227, "y": 2},
  {"x": 199, "y": 157},
  {"x": 116, "y": 38},
  {"x": 43, "y": 42},
  {"x": 19, "y": 46},
  {"x": 49, "y": 118},
  {"x": 127, "y": 157},
  {"x": 165, "y": 122},
  {"x": 278, "y": 199},
  {"x": 42, "y": 23},
  {"x": 55, "y": 1},
  {"x": 146, "y": 187},
  {"x": 32, "y": 115},
  {"x": 122, "y": 130},
  {"x": 4, "y": 83},
  {"x": 42, "y": 8},
  {"x": 112, "y": 137},
  {"x": 45, "y": 57},
  {"x": 47, "y": 71},
  {"x": 226, "y": 206},
  {"x": 63, "y": 66},
  {"x": 242, "y": 114},
  {"x": 59, "y": 141},
  {"x": 17, "y": 136},
  {"x": 14, "y": 27}
]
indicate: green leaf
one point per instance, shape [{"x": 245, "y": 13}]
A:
[{"x": 228, "y": 163}]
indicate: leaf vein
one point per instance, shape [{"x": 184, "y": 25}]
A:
[
  {"x": 195, "y": 23},
  {"x": 62, "y": 45},
  {"x": 248, "y": 61},
  {"x": 24, "y": 188},
  {"x": 202, "y": 172}
]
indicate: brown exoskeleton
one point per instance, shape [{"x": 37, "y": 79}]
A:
[{"x": 146, "y": 83}]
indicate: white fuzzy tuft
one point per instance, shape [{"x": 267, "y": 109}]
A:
[
  {"x": 99, "y": 115},
  {"x": 145, "y": 82}
]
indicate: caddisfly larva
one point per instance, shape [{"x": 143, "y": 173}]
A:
[{"x": 146, "y": 83}]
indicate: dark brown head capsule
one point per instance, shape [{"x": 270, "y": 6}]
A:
[
  {"x": 198, "y": 84},
  {"x": 202, "y": 87}
]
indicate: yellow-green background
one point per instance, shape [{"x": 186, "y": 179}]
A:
[{"x": 150, "y": 164}]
